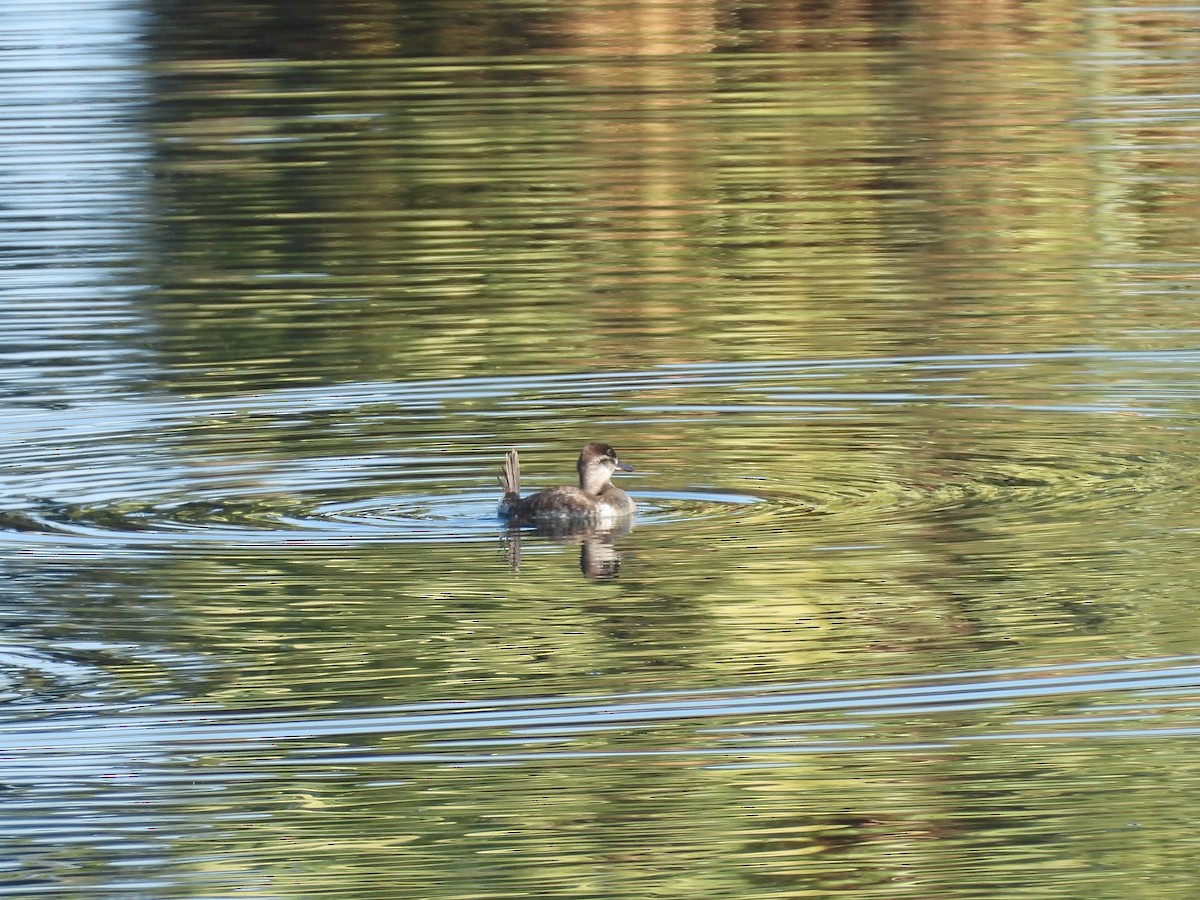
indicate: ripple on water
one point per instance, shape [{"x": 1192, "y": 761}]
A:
[
  {"x": 773, "y": 723},
  {"x": 168, "y": 473},
  {"x": 459, "y": 517}
]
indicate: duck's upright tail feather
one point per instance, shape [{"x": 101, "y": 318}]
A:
[{"x": 510, "y": 481}]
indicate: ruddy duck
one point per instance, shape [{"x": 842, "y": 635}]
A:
[{"x": 597, "y": 502}]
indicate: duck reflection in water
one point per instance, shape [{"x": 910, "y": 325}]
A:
[{"x": 592, "y": 515}]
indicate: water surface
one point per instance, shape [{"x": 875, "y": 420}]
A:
[{"x": 892, "y": 310}]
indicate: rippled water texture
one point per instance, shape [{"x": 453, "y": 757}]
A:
[{"x": 892, "y": 308}]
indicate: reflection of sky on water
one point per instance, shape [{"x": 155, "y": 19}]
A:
[
  {"x": 1090, "y": 691},
  {"x": 73, "y": 174}
]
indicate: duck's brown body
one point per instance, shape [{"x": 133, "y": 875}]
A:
[{"x": 597, "y": 502}]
